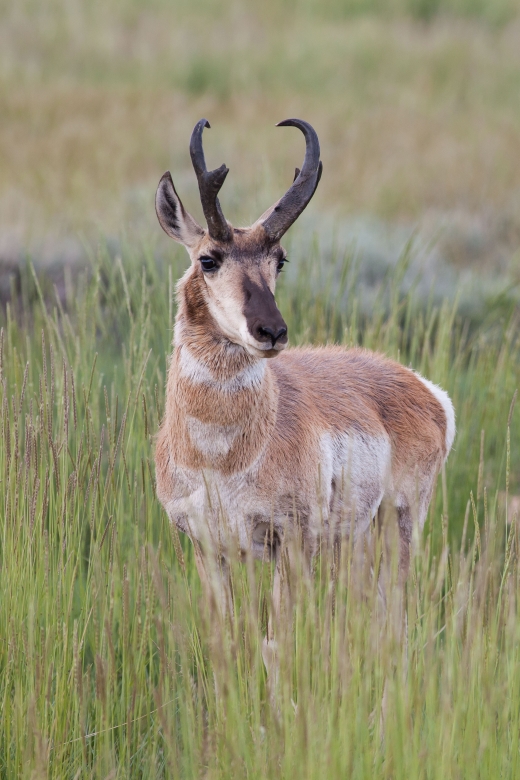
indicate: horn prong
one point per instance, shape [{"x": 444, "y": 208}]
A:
[
  {"x": 210, "y": 183},
  {"x": 281, "y": 216}
]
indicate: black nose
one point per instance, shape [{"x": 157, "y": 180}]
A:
[{"x": 268, "y": 334}]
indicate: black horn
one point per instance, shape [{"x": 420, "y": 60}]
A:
[
  {"x": 210, "y": 183},
  {"x": 281, "y": 216}
]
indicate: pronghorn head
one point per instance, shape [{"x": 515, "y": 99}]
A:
[{"x": 236, "y": 268}]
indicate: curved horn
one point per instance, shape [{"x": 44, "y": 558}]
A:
[
  {"x": 281, "y": 216},
  {"x": 210, "y": 183}
]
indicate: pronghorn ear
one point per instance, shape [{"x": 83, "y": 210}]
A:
[{"x": 173, "y": 217}]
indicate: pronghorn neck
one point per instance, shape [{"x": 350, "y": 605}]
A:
[
  {"x": 221, "y": 400},
  {"x": 205, "y": 355}
]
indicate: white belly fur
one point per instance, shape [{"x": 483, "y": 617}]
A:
[
  {"x": 355, "y": 472},
  {"x": 351, "y": 476},
  {"x": 216, "y": 506}
]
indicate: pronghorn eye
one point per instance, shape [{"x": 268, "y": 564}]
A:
[
  {"x": 280, "y": 265},
  {"x": 208, "y": 263}
]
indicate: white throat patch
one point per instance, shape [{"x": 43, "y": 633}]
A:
[
  {"x": 198, "y": 373},
  {"x": 211, "y": 439}
]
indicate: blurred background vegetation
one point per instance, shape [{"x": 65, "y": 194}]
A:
[{"x": 416, "y": 102}]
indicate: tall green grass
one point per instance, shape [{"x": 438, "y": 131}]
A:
[{"x": 109, "y": 657}]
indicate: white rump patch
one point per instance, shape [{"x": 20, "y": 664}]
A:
[
  {"x": 211, "y": 439},
  {"x": 445, "y": 401},
  {"x": 198, "y": 373}
]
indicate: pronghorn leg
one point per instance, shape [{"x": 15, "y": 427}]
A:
[
  {"x": 405, "y": 523},
  {"x": 394, "y": 529},
  {"x": 279, "y": 603},
  {"x": 292, "y": 561},
  {"x": 216, "y": 585},
  {"x": 215, "y": 578},
  {"x": 278, "y": 616}
]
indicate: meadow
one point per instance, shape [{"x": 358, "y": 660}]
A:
[
  {"x": 108, "y": 651},
  {"x": 110, "y": 658}
]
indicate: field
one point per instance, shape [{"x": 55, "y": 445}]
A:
[{"x": 110, "y": 658}]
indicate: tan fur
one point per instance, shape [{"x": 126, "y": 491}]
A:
[
  {"x": 277, "y": 427},
  {"x": 310, "y": 445}
]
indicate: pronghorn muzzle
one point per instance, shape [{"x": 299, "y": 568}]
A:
[{"x": 264, "y": 321}]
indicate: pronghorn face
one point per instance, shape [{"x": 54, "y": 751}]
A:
[
  {"x": 239, "y": 282},
  {"x": 235, "y": 269},
  {"x": 237, "y": 277}
]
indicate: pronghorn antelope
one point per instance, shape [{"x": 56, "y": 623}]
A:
[{"x": 251, "y": 450}]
